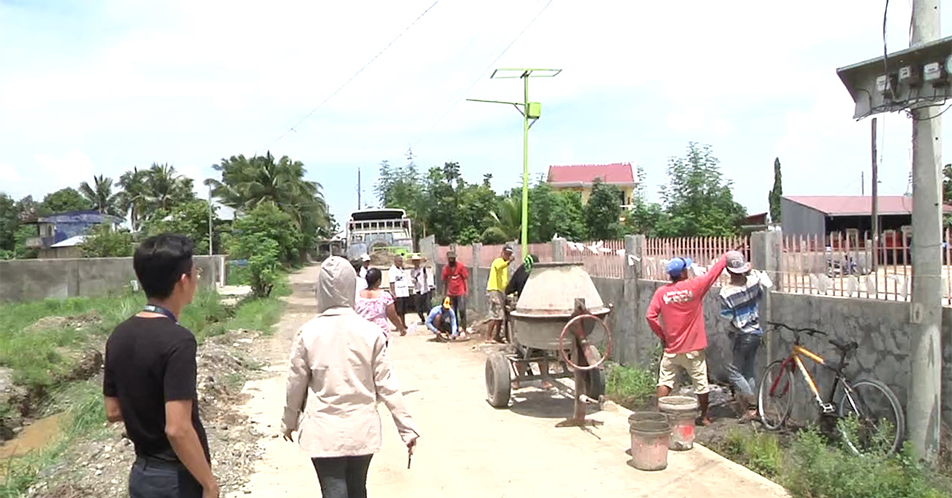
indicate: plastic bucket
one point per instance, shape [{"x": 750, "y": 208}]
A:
[
  {"x": 650, "y": 433},
  {"x": 681, "y": 412}
]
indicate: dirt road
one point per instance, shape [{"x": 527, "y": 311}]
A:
[{"x": 469, "y": 449}]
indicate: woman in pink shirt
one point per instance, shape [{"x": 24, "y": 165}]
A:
[{"x": 377, "y": 306}]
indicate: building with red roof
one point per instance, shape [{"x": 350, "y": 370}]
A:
[
  {"x": 821, "y": 215},
  {"x": 581, "y": 177}
]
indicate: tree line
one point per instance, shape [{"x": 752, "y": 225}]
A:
[
  {"x": 262, "y": 190},
  {"x": 696, "y": 200}
]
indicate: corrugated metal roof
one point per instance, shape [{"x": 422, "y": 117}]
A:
[
  {"x": 856, "y": 205},
  {"x": 70, "y": 242},
  {"x": 615, "y": 173}
]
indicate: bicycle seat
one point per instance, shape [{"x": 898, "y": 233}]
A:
[{"x": 844, "y": 346}]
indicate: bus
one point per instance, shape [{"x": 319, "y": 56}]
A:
[{"x": 373, "y": 230}]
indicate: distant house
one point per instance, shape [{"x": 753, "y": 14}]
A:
[
  {"x": 821, "y": 215},
  {"x": 581, "y": 177},
  {"x": 57, "y": 228},
  {"x": 69, "y": 248},
  {"x": 755, "y": 223}
]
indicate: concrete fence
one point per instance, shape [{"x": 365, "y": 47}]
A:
[
  {"x": 31, "y": 279},
  {"x": 881, "y": 328}
]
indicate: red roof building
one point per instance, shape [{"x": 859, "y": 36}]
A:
[
  {"x": 581, "y": 177},
  {"x": 823, "y": 214}
]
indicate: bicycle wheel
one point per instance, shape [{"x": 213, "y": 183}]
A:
[
  {"x": 874, "y": 422},
  {"x": 776, "y": 394}
]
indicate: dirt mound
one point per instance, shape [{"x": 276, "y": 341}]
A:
[{"x": 77, "y": 322}]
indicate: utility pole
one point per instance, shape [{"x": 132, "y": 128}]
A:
[
  {"x": 862, "y": 183},
  {"x": 874, "y": 189},
  {"x": 923, "y": 406},
  {"x": 359, "y": 204}
]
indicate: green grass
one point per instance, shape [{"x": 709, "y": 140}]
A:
[
  {"x": 812, "y": 467},
  {"x": 36, "y": 361},
  {"x": 629, "y": 386}
]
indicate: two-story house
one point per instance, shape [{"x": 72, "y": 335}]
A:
[
  {"x": 581, "y": 177},
  {"x": 58, "y": 233}
]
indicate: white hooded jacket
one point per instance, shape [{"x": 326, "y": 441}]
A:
[{"x": 338, "y": 372}]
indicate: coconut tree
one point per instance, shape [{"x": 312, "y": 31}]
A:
[
  {"x": 506, "y": 222},
  {"x": 101, "y": 195},
  {"x": 165, "y": 187},
  {"x": 133, "y": 200}
]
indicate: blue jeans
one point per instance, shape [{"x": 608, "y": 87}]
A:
[
  {"x": 343, "y": 477},
  {"x": 150, "y": 478},
  {"x": 743, "y": 365}
]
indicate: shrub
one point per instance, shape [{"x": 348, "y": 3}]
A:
[
  {"x": 104, "y": 242},
  {"x": 263, "y": 255}
]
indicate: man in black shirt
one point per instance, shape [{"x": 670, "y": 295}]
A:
[{"x": 149, "y": 381}]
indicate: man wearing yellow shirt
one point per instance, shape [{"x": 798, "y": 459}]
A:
[{"x": 495, "y": 288}]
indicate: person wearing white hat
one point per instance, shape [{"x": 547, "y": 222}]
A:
[
  {"x": 739, "y": 304},
  {"x": 364, "y": 265}
]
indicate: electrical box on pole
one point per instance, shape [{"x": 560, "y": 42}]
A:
[
  {"x": 904, "y": 80},
  {"x": 534, "y": 110}
]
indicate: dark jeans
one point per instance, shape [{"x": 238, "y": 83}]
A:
[
  {"x": 151, "y": 478},
  {"x": 343, "y": 477},
  {"x": 422, "y": 305},
  {"x": 743, "y": 365},
  {"x": 459, "y": 307}
]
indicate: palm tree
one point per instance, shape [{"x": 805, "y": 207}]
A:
[
  {"x": 100, "y": 194},
  {"x": 165, "y": 187},
  {"x": 507, "y": 222},
  {"x": 132, "y": 199}
]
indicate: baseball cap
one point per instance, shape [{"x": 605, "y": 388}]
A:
[
  {"x": 365, "y": 257},
  {"x": 451, "y": 254},
  {"x": 677, "y": 266},
  {"x": 736, "y": 263},
  {"x": 507, "y": 248},
  {"x": 447, "y": 304},
  {"x": 416, "y": 257}
]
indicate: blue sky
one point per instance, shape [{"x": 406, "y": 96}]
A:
[{"x": 96, "y": 87}]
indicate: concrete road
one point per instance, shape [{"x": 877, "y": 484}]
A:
[{"x": 469, "y": 449}]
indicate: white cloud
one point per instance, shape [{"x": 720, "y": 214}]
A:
[
  {"x": 68, "y": 170},
  {"x": 8, "y": 174}
]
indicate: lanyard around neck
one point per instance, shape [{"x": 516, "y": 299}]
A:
[{"x": 152, "y": 308}]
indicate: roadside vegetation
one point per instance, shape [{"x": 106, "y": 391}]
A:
[
  {"x": 808, "y": 465},
  {"x": 52, "y": 352},
  {"x": 631, "y": 387}
]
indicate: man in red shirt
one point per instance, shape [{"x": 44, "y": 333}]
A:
[
  {"x": 455, "y": 282},
  {"x": 679, "y": 305}
]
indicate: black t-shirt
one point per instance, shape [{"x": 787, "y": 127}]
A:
[
  {"x": 517, "y": 281},
  {"x": 150, "y": 361}
]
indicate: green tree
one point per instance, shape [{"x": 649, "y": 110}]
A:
[
  {"x": 165, "y": 187},
  {"x": 506, "y": 222},
  {"x": 190, "y": 218},
  {"x": 24, "y": 232},
  {"x": 645, "y": 217},
  {"x": 603, "y": 212},
  {"x": 776, "y": 192},
  {"x": 100, "y": 194},
  {"x": 947, "y": 184},
  {"x": 554, "y": 213},
  {"x": 105, "y": 242},
  {"x": 697, "y": 199},
  {"x": 9, "y": 222},
  {"x": 133, "y": 200},
  {"x": 476, "y": 202},
  {"x": 247, "y": 183},
  {"x": 270, "y": 222},
  {"x": 262, "y": 254},
  {"x": 65, "y": 200}
]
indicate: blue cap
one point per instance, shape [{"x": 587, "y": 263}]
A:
[{"x": 677, "y": 266}]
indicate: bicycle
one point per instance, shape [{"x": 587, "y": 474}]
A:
[{"x": 777, "y": 383}]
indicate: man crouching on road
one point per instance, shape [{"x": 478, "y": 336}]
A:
[{"x": 679, "y": 305}]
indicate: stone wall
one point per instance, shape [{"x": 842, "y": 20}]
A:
[{"x": 32, "y": 279}]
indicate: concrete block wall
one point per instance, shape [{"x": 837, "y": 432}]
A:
[
  {"x": 33, "y": 279},
  {"x": 880, "y": 327}
]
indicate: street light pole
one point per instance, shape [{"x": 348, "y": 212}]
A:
[{"x": 531, "y": 112}]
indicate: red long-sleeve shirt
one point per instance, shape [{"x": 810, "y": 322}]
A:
[{"x": 679, "y": 305}]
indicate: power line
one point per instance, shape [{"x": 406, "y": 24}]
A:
[
  {"x": 481, "y": 75},
  {"x": 335, "y": 92}
]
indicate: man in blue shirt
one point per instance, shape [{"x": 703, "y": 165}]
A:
[
  {"x": 442, "y": 321},
  {"x": 740, "y": 304}
]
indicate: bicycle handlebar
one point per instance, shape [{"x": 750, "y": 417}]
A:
[{"x": 807, "y": 330}]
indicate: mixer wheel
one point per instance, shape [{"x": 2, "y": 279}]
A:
[
  {"x": 595, "y": 382},
  {"x": 498, "y": 380}
]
